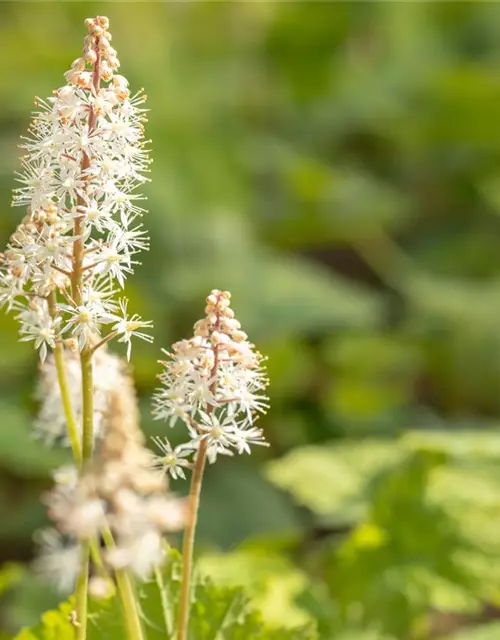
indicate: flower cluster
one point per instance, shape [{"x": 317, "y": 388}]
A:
[
  {"x": 214, "y": 383},
  {"x": 84, "y": 158},
  {"x": 118, "y": 493}
]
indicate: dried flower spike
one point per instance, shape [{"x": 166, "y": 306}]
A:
[
  {"x": 214, "y": 383},
  {"x": 120, "y": 493}
]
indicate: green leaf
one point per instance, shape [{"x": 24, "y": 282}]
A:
[
  {"x": 427, "y": 537},
  {"x": 268, "y": 577},
  {"x": 407, "y": 557},
  {"x": 28, "y": 599},
  {"x": 224, "y": 610},
  {"x": 216, "y": 612},
  {"x": 55, "y": 625},
  {"x": 332, "y": 480}
]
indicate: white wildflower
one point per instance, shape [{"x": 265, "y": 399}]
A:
[
  {"x": 38, "y": 325},
  {"x": 125, "y": 327},
  {"x": 172, "y": 460}
]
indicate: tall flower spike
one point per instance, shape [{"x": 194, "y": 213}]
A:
[
  {"x": 120, "y": 493},
  {"x": 84, "y": 157},
  {"x": 214, "y": 383}
]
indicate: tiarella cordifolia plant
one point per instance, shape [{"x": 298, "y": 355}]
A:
[{"x": 214, "y": 384}]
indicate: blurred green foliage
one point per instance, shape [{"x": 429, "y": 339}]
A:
[
  {"x": 337, "y": 167},
  {"x": 218, "y": 612}
]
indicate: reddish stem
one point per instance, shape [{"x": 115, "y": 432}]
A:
[
  {"x": 193, "y": 506},
  {"x": 79, "y": 227}
]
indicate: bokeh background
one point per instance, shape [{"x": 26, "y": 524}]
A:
[{"x": 337, "y": 167}]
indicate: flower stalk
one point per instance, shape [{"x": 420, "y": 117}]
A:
[
  {"x": 81, "y": 593},
  {"x": 214, "y": 384},
  {"x": 87, "y": 444},
  {"x": 188, "y": 541},
  {"x": 69, "y": 414},
  {"x": 87, "y": 450},
  {"x": 130, "y": 607},
  {"x": 87, "y": 406},
  {"x": 79, "y": 226},
  {"x": 194, "y": 498},
  {"x": 66, "y": 402}
]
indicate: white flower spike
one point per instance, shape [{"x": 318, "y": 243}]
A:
[
  {"x": 85, "y": 156},
  {"x": 214, "y": 383}
]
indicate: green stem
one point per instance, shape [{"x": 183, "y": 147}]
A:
[
  {"x": 87, "y": 450},
  {"x": 81, "y": 594},
  {"x": 164, "y": 602},
  {"x": 188, "y": 542},
  {"x": 71, "y": 423},
  {"x": 87, "y": 405},
  {"x": 96, "y": 558},
  {"x": 129, "y": 605},
  {"x": 127, "y": 596},
  {"x": 66, "y": 401}
]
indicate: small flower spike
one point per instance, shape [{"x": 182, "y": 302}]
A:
[{"x": 215, "y": 384}]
